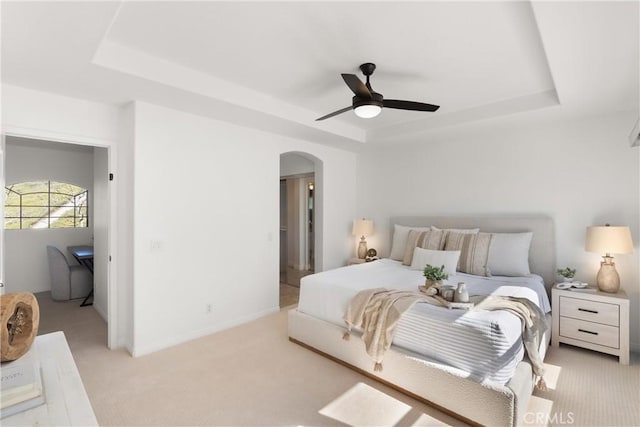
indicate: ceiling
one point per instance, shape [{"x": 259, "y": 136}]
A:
[{"x": 276, "y": 65}]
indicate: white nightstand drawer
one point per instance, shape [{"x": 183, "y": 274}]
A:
[
  {"x": 595, "y": 320},
  {"x": 593, "y": 311},
  {"x": 590, "y": 332}
]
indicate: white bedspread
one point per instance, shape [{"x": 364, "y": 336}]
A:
[{"x": 485, "y": 344}]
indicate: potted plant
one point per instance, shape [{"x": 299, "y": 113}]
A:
[
  {"x": 434, "y": 275},
  {"x": 567, "y": 273}
]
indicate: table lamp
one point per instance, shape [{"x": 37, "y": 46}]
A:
[
  {"x": 362, "y": 227},
  {"x": 608, "y": 239}
]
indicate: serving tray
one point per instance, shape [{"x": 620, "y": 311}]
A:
[{"x": 454, "y": 305}]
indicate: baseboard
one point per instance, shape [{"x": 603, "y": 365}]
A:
[
  {"x": 101, "y": 311},
  {"x": 139, "y": 350},
  {"x": 128, "y": 348}
]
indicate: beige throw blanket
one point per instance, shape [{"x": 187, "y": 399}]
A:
[
  {"x": 377, "y": 312},
  {"x": 534, "y": 326}
]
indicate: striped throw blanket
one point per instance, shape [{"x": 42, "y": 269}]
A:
[{"x": 377, "y": 312}]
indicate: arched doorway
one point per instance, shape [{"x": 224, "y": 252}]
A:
[{"x": 300, "y": 221}]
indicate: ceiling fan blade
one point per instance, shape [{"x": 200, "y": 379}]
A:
[
  {"x": 408, "y": 105},
  {"x": 335, "y": 113},
  {"x": 356, "y": 86}
]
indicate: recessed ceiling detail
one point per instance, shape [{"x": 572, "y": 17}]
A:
[
  {"x": 276, "y": 65},
  {"x": 440, "y": 51}
]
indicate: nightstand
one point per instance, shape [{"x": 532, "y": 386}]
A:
[
  {"x": 592, "y": 319},
  {"x": 356, "y": 261}
]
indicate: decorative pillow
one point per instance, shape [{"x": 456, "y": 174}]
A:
[
  {"x": 424, "y": 239},
  {"x": 422, "y": 257},
  {"x": 399, "y": 241},
  {"x": 509, "y": 254},
  {"x": 474, "y": 251},
  {"x": 455, "y": 230}
]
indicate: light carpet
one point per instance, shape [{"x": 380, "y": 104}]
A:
[{"x": 252, "y": 375}]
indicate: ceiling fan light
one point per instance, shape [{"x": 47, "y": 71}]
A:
[{"x": 367, "y": 111}]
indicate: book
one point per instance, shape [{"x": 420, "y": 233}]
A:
[
  {"x": 19, "y": 382},
  {"x": 20, "y": 388},
  {"x": 22, "y": 406}
]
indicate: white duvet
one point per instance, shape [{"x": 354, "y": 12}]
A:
[{"x": 485, "y": 344}]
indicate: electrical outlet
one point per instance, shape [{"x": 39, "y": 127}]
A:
[{"x": 208, "y": 309}]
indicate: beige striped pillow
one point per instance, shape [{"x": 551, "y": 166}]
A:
[
  {"x": 454, "y": 230},
  {"x": 431, "y": 239},
  {"x": 474, "y": 251}
]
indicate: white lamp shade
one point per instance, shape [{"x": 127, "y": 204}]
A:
[
  {"x": 363, "y": 227},
  {"x": 367, "y": 111},
  {"x": 609, "y": 239}
]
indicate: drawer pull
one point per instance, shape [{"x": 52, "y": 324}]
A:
[
  {"x": 588, "y": 311},
  {"x": 587, "y": 332}
]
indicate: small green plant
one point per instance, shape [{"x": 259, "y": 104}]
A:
[
  {"x": 435, "y": 273},
  {"x": 567, "y": 272}
]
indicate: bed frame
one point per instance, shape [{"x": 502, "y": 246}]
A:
[{"x": 436, "y": 384}]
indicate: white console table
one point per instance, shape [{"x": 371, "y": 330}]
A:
[{"x": 66, "y": 401}]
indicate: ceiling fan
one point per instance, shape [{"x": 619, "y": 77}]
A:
[{"x": 367, "y": 104}]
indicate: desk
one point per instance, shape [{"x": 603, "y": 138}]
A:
[
  {"x": 84, "y": 255},
  {"x": 66, "y": 400}
]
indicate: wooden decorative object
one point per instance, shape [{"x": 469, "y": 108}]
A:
[{"x": 20, "y": 316}]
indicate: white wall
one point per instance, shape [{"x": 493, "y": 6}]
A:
[
  {"x": 579, "y": 173},
  {"x": 221, "y": 150},
  {"x": 206, "y": 222},
  {"x": 295, "y": 164},
  {"x": 26, "y": 264},
  {"x": 123, "y": 247},
  {"x": 54, "y": 117}
]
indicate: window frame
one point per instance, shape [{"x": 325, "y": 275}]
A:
[{"x": 77, "y": 219}]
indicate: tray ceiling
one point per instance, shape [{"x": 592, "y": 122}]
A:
[{"x": 276, "y": 65}]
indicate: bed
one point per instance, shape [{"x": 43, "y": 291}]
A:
[{"x": 490, "y": 385}]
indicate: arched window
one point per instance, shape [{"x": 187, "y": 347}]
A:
[{"x": 45, "y": 204}]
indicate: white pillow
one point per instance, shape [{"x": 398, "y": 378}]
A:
[
  {"x": 422, "y": 257},
  {"x": 399, "y": 241},
  {"x": 509, "y": 254}
]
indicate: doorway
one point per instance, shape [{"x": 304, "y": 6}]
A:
[
  {"x": 29, "y": 159},
  {"x": 298, "y": 223}
]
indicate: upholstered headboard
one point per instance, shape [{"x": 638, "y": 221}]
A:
[{"x": 542, "y": 253}]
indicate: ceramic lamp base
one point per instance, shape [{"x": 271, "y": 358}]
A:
[
  {"x": 608, "y": 279},
  {"x": 362, "y": 248}
]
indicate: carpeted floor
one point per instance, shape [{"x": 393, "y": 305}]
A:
[{"x": 252, "y": 375}]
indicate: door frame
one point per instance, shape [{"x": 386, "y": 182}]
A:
[
  {"x": 112, "y": 300},
  {"x": 2, "y": 198},
  {"x": 318, "y": 196},
  {"x": 303, "y": 218}
]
